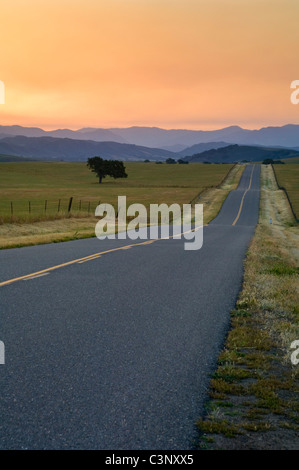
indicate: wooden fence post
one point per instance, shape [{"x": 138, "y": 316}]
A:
[{"x": 70, "y": 204}]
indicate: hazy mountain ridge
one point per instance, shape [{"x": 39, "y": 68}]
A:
[
  {"x": 158, "y": 144},
  {"x": 285, "y": 136},
  {"x": 51, "y": 148},
  {"x": 199, "y": 148},
  {"x": 99, "y": 135},
  {"x": 239, "y": 153}
]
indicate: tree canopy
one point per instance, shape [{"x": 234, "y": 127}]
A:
[
  {"x": 170, "y": 161},
  {"x": 270, "y": 161},
  {"x": 103, "y": 168}
]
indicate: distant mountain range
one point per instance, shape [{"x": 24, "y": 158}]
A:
[
  {"x": 63, "y": 149},
  {"x": 239, "y": 153},
  {"x": 98, "y": 135},
  {"x": 138, "y": 143},
  {"x": 174, "y": 139}
]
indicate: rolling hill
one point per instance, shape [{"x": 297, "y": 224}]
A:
[
  {"x": 199, "y": 148},
  {"x": 239, "y": 153},
  {"x": 64, "y": 149}
]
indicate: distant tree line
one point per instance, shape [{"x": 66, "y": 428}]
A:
[{"x": 270, "y": 161}]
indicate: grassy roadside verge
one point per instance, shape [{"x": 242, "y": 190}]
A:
[
  {"x": 73, "y": 228},
  {"x": 253, "y": 402}
]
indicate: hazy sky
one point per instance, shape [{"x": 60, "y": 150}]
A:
[{"x": 198, "y": 64}]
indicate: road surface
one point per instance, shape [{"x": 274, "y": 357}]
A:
[{"x": 116, "y": 351}]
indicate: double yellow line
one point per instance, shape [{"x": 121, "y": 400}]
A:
[{"x": 242, "y": 200}]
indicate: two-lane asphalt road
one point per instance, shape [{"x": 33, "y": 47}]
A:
[{"x": 115, "y": 351}]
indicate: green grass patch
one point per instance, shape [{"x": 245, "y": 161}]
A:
[
  {"x": 249, "y": 337},
  {"x": 221, "y": 387},
  {"x": 257, "y": 427},
  {"x": 282, "y": 269},
  {"x": 230, "y": 373},
  {"x": 218, "y": 427}
]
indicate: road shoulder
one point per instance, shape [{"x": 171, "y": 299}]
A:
[{"x": 253, "y": 402}]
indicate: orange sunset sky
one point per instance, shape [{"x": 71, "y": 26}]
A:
[{"x": 197, "y": 64}]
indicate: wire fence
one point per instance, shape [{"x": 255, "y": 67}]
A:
[
  {"x": 47, "y": 208},
  {"x": 33, "y": 210}
]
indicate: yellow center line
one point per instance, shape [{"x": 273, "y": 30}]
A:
[
  {"x": 242, "y": 200},
  {"x": 81, "y": 260},
  {"x": 68, "y": 263}
]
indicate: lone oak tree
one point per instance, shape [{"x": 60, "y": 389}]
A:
[{"x": 102, "y": 168}]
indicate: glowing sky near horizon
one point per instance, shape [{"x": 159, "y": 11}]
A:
[{"x": 197, "y": 64}]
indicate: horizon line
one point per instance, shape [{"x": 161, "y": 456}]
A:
[{"x": 45, "y": 129}]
